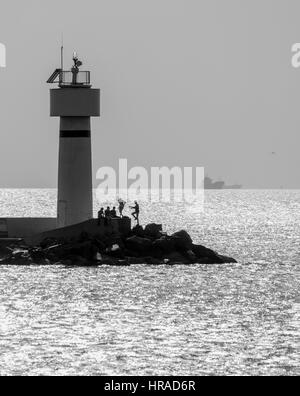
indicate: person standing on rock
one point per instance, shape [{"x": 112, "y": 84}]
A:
[
  {"x": 121, "y": 207},
  {"x": 136, "y": 213},
  {"x": 100, "y": 215},
  {"x": 107, "y": 215}
]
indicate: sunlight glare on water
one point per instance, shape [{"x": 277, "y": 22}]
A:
[{"x": 240, "y": 319}]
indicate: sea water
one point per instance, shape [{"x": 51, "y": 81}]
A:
[{"x": 240, "y": 319}]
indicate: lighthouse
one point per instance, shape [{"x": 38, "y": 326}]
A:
[{"x": 75, "y": 102}]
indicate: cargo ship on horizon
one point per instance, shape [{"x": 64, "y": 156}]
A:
[{"x": 209, "y": 184}]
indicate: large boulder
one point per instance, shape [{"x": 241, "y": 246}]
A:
[
  {"x": 38, "y": 256},
  {"x": 138, "y": 230},
  {"x": 203, "y": 252},
  {"x": 110, "y": 240},
  {"x": 138, "y": 245},
  {"x": 25, "y": 256},
  {"x": 153, "y": 231},
  {"x": 101, "y": 246},
  {"x": 190, "y": 255},
  {"x": 208, "y": 256},
  {"x": 164, "y": 245},
  {"x": 86, "y": 249},
  {"x": 182, "y": 241},
  {"x": 20, "y": 257},
  {"x": 56, "y": 252},
  {"x": 115, "y": 251},
  {"x": 131, "y": 253}
]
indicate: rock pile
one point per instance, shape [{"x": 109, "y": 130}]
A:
[{"x": 149, "y": 245}]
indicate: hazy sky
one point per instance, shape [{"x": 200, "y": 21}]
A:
[{"x": 184, "y": 83}]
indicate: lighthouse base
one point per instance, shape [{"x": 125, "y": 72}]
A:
[
  {"x": 34, "y": 230},
  {"x": 25, "y": 228}
]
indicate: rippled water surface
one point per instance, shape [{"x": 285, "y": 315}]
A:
[{"x": 188, "y": 320}]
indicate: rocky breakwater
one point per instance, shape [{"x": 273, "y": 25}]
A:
[{"x": 149, "y": 245}]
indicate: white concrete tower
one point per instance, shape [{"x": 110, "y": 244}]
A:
[{"x": 75, "y": 102}]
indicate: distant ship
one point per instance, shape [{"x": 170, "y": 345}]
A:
[{"x": 209, "y": 184}]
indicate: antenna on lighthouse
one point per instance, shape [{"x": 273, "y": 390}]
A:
[{"x": 62, "y": 52}]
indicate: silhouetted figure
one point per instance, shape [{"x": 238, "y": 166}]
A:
[
  {"x": 100, "y": 215},
  {"x": 113, "y": 212},
  {"x": 136, "y": 213},
  {"x": 121, "y": 207},
  {"x": 75, "y": 68},
  {"x": 107, "y": 215}
]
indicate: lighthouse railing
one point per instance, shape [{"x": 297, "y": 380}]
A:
[{"x": 83, "y": 78}]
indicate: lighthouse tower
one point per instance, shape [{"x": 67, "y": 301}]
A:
[{"x": 75, "y": 102}]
